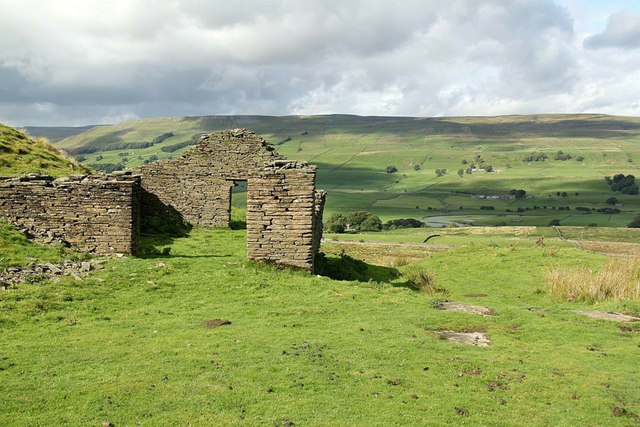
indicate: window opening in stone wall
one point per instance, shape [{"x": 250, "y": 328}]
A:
[{"x": 238, "y": 219}]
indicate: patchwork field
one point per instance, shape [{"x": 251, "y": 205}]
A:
[{"x": 353, "y": 154}]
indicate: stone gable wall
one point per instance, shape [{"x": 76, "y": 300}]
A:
[
  {"x": 98, "y": 213},
  {"x": 198, "y": 184}
]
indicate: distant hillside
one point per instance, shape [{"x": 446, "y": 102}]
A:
[
  {"x": 56, "y": 134},
  {"x": 20, "y": 154},
  {"x": 464, "y": 168}
]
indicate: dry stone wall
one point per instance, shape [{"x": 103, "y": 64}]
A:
[
  {"x": 198, "y": 184},
  {"x": 102, "y": 213},
  {"x": 284, "y": 209},
  {"x": 281, "y": 214},
  {"x": 98, "y": 213}
]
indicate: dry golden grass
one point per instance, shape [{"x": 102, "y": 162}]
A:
[
  {"x": 622, "y": 249},
  {"x": 618, "y": 280},
  {"x": 386, "y": 255}
]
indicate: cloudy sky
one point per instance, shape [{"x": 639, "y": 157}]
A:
[{"x": 75, "y": 62}]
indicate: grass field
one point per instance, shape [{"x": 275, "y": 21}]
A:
[
  {"x": 353, "y": 153},
  {"x": 128, "y": 346}
]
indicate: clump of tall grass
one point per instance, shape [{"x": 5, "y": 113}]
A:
[
  {"x": 396, "y": 260},
  {"x": 617, "y": 280},
  {"x": 422, "y": 279}
]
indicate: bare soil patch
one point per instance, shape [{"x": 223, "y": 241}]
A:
[
  {"x": 215, "y": 323},
  {"x": 475, "y": 338},
  {"x": 604, "y": 315},
  {"x": 462, "y": 307}
]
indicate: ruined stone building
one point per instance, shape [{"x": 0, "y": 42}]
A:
[{"x": 102, "y": 212}]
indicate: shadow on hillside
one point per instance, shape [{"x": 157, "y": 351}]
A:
[{"x": 344, "y": 267}]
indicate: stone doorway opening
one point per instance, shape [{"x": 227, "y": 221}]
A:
[{"x": 238, "y": 205}]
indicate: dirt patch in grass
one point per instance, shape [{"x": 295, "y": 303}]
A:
[
  {"x": 475, "y": 295},
  {"x": 475, "y": 338},
  {"x": 215, "y": 323},
  {"x": 604, "y": 315},
  {"x": 462, "y": 307}
]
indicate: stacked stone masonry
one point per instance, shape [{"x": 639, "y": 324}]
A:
[
  {"x": 198, "y": 184},
  {"x": 284, "y": 209},
  {"x": 280, "y": 214},
  {"x": 97, "y": 213},
  {"x": 101, "y": 213}
]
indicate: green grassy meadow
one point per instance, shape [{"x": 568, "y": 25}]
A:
[
  {"x": 353, "y": 153},
  {"x": 128, "y": 346}
]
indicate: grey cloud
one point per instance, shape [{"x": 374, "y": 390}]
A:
[
  {"x": 622, "y": 31},
  {"x": 100, "y": 62}
]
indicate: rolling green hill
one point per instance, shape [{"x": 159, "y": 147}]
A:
[
  {"x": 20, "y": 154},
  {"x": 353, "y": 154}
]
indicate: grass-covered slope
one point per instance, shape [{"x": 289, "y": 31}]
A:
[
  {"x": 20, "y": 154},
  {"x": 353, "y": 154},
  {"x": 128, "y": 346}
]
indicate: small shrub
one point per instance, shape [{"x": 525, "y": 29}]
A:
[
  {"x": 635, "y": 223},
  {"x": 392, "y": 169}
]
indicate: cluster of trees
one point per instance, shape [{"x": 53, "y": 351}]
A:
[
  {"x": 152, "y": 158},
  {"x": 366, "y": 221},
  {"x": 535, "y": 157},
  {"x": 124, "y": 145},
  {"x": 354, "y": 221},
  {"x": 519, "y": 194},
  {"x": 127, "y": 146},
  {"x": 626, "y": 184},
  {"x": 402, "y": 223},
  {"x": 162, "y": 138},
  {"x": 283, "y": 140},
  {"x": 541, "y": 157},
  {"x": 392, "y": 169},
  {"x": 635, "y": 223},
  {"x": 562, "y": 156},
  {"x": 441, "y": 172},
  {"x": 107, "y": 167}
]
